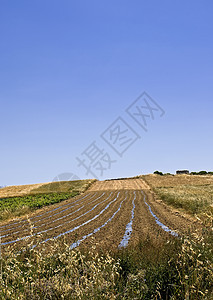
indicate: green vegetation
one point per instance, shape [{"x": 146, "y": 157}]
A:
[
  {"x": 192, "y": 173},
  {"x": 16, "y": 206},
  {"x": 45, "y": 195},
  {"x": 176, "y": 269},
  {"x": 201, "y": 173},
  {"x": 158, "y": 173}
]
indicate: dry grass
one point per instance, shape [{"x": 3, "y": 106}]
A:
[
  {"x": 59, "y": 274},
  {"x": 194, "y": 198},
  {"x": 51, "y": 187},
  {"x": 176, "y": 180},
  {"x": 175, "y": 270},
  {"x": 119, "y": 184},
  {"x": 193, "y": 194},
  {"x": 18, "y": 190}
]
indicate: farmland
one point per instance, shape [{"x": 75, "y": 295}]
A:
[
  {"x": 103, "y": 209},
  {"x": 19, "y": 200},
  {"x": 125, "y": 218}
]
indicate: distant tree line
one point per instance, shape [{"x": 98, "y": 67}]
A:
[
  {"x": 201, "y": 173},
  {"x": 161, "y": 173},
  {"x": 192, "y": 173}
]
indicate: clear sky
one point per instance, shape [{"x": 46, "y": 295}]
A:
[{"x": 69, "y": 69}]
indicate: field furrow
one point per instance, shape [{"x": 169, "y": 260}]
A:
[{"x": 113, "y": 214}]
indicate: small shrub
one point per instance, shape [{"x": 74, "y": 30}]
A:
[
  {"x": 202, "y": 173},
  {"x": 158, "y": 173}
]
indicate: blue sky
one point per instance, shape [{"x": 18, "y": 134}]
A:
[{"x": 68, "y": 69}]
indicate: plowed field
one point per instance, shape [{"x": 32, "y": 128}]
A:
[{"x": 113, "y": 213}]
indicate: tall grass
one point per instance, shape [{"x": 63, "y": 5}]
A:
[
  {"x": 194, "y": 199},
  {"x": 176, "y": 269}
]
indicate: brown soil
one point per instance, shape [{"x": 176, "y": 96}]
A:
[{"x": 55, "y": 220}]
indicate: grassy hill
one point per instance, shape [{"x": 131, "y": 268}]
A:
[{"x": 19, "y": 200}]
